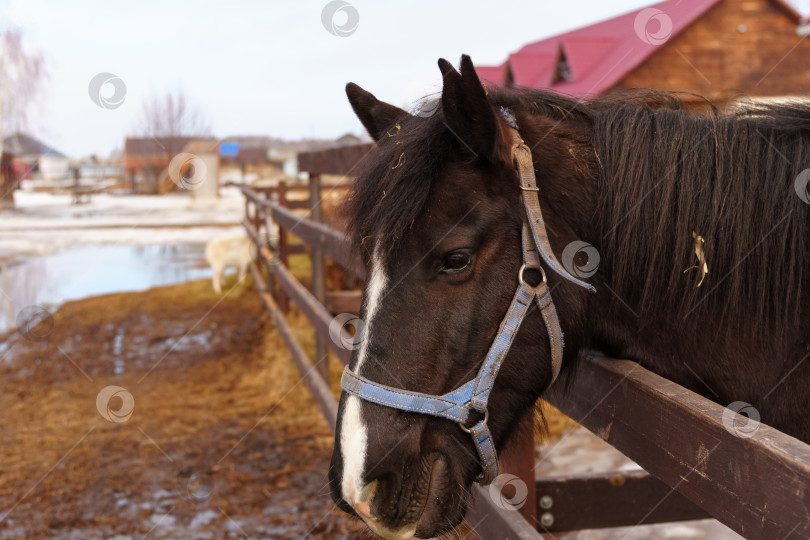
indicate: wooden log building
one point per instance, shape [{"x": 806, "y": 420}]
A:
[{"x": 721, "y": 49}]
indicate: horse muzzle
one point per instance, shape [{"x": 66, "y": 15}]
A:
[{"x": 421, "y": 503}]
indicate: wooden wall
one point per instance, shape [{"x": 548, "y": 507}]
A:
[{"x": 732, "y": 47}]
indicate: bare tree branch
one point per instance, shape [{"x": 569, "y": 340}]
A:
[
  {"x": 21, "y": 76},
  {"x": 172, "y": 116}
]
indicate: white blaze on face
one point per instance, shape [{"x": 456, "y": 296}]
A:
[{"x": 353, "y": 432}]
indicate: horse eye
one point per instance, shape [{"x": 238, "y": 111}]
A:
[{"x": 455, "y": 261}]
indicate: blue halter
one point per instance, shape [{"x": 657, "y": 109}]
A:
[{"x": 473, "y": 395}]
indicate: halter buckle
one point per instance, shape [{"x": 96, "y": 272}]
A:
[{"x": 465, "y": 429}]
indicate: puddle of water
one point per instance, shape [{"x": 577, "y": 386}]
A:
[{"x": 92, "y": 270}]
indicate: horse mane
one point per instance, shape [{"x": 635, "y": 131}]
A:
[
  {"x": 667, "y": 173},
  {"x": 664, "y": 173}
]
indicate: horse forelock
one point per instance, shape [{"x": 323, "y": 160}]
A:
[{"x": 393, "y": 183}]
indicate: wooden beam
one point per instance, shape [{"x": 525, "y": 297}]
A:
[
  {"x": 283, "y": 242},
  {"x": 291, "y": 188},
  {"x": 318, "y": 265},
  {"x": 491, "y": 522},
  {"x": 517, "y": 458},
  {"x": 338, "y": 160},
  {"x": 616, "y": 499},
  {"x": 297, "y": 249},
  {"x": 344, "y": 301},
  {"x": 757, "y": 486},
  {"x": 253, "y": 195},
  {"x": 297, "y": 204}
]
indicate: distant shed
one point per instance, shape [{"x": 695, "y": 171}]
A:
[{"x": 146, "y": 160}]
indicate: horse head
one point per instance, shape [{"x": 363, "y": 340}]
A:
[{"x": 437, "y": 215}]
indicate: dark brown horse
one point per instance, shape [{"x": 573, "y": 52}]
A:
[{"x": 653, "y": 194}]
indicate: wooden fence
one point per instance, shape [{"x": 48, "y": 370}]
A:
[{"x": 694, "y": 467}]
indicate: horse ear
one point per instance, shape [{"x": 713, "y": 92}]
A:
[
  {"x": 377, "y": 116},
  {"x": 470, "y": 115}
]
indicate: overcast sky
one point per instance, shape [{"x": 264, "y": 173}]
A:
[{"x": 264, "y": 67}]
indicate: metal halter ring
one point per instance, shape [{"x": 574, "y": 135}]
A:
[
  {"x": 523, "y": 267},
  {"x": 465, "y": 429}
]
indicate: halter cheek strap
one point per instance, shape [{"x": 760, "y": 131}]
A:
[
  {"x": 474, "y": 394},
  {"x": 531, "y": 202}
]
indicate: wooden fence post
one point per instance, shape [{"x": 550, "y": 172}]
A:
[
  {"x": 518, "y": 459},
  {"x": 318, "y": 273},
  {"x": 283, "y": 247},
  {"x": 257, "y": 217},
  {"x": 266, "y": 221}
]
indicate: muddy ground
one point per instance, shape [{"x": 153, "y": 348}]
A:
[{"x": 223, "y": 441}]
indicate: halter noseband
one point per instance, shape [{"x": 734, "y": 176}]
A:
[{"x": 474, "y": 394}]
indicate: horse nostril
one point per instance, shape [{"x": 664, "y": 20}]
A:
[{"x": 364, "y": 509}]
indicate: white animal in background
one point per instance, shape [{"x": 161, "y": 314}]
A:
[{"x": 228, "y": 252}]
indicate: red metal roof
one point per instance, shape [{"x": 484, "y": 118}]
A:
[
  {"x": 600, "y": 55},
  {"x": 493, "y": 74}
]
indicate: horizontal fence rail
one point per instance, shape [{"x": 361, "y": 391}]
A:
[
  {"x": 758, "y": 486},
  {"x": 341, "y": 160},
  {"x": 614, "y": 499}
]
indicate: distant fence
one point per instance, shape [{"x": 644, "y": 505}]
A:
[{"x": 758, "y": 485}]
